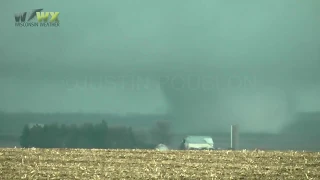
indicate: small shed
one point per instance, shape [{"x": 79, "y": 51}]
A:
[{"x": 162, "y": 147}]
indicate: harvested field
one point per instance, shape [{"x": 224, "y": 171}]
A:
[{"x": 147, "y": 164}]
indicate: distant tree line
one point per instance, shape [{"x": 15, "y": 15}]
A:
[{"x": 89, "y": 135}]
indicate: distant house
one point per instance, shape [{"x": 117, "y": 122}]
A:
[{"x": 197, "y": 142}]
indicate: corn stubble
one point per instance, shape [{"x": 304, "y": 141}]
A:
[{"x": 148, "y": 164}]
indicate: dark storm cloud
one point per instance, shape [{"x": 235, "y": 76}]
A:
[{"x": 258, "y": 58}]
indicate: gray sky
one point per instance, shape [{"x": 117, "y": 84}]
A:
[{"x": 250, "y": 62}]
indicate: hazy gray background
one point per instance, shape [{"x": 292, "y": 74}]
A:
[{"x": 208, "y": 63}]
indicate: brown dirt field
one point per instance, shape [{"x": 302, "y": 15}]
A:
[{"x": 147, "y": 164}]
